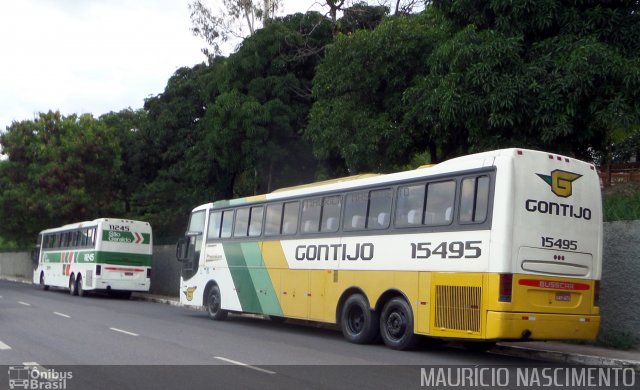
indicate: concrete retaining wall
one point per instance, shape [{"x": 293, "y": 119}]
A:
[
  {"x": 16, "y": 264},
  {"x": 619, "y": 297},
  {"x": 619, "y": 292}
]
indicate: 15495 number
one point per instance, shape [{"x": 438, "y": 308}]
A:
[
  {"x": 550, "y": 242},
  {"x": 446, "y": 250}
]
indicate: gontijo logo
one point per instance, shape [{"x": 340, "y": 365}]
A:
[{"x": 560, "y": 182}]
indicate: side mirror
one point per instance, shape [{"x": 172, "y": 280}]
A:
[{"x": 182, "y": 248}]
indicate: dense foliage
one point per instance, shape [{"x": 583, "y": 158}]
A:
[{"x": 306, "y": 98}]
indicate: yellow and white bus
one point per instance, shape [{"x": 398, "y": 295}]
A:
[
  {"x": 502, "y": 245},
  {"x": 112, "y": 255}
]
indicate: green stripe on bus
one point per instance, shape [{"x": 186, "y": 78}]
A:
[
  {"x": 242, "y": 278},
  {"x": 120, "y": 258},
  {"x": 260, "y": 276},
  {"x": 69, "y": 256}
]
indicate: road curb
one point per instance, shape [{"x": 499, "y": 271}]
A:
[{"x": 564, "y": 357}]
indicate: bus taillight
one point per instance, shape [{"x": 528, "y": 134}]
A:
[
  {"x": 98, "y": 270},
  {"x": 506, "y": 287},
  {"x": 149, "y": 273},
  {"x": 596, "y": 293}
]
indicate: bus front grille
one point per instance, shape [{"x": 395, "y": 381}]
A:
[{"x": 458, "y": 308}]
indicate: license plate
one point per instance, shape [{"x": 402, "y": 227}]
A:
[
  {"x": 563, "y": 296},
  {"x": 128, "y": 273}
]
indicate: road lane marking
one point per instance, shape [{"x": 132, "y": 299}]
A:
[
  {"x": 124, "y": 331},
  {"x": 4, "y": 346},
  {"x": 245, "y": 365},
  {"x": 61, "y": 315},
  {"x": 24, "y": 303}
]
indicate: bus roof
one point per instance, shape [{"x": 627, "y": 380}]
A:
[
  {"x": 92, "y": 223},
  {"x": 472, "y": 161}
]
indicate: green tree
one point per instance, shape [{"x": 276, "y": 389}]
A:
[
  {"x": 359, "y": 88},
  {"x": 254, "y": 127},
  {"x": 59, "y": 170},
  {"x": 556, "y": 75}
]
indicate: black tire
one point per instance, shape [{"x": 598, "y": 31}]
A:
[
  {"x": 213, "y": 303},
  {"x": 73, "y": 287},
  {"x": 80, "y": 287},
  {"x": 42, "y": 284},
  {"x": 478, "y": 346},
  {"x": 396, "y": 325},
  {"x": 358, "y": 322}
]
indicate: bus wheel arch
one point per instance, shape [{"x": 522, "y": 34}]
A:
[
  {"x": 358, "y": 321},
  {"x": 212, "y": 301}
]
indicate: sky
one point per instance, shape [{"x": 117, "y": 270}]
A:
[{"x": 93, "y": 56}]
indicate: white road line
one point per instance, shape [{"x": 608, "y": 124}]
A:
[
  {"x": 30, "y": 364},
  {"x": 61, "y": 315},
  {"x": 124, "y": 331},
  {"x": 245, "y": 365},
  {"x": 3, "y": 346},
  {"x": 24, "y": 303}
]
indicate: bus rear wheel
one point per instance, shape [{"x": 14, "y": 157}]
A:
[
  {"x": 80, "y": 287},
  {"x": 358, "y": 322},
  {"x": 396, "y": 325},
  {"x": 42, "y": 283},
  {"x": 73, "y": 287},
  {"x": 214, "y": 302}
]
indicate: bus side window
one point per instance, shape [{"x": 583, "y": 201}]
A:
[
  {"x": 410, "y": 206},
  {"x": 474, "y": 199},
  {"x": 311, "y": 210},
  {"x": 227, "y": 224},
  {"x": 331, "y": 207},
  {"x": 290, "y": 218},
  {"x": 214, "y": 225},
  {"x": 273, "y": 220},
  {"x": 440, "y": 198},
  {"x": 242, "y": 222},
  {"x": 255, "y": 221},
  {"x": 379, "y": 209},
  {"x": 354, "y": 210},
  {"x": 91, "y": 237}
]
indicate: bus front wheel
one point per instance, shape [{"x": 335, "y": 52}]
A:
[
  {"x": 396, "y": 325},
  {"x": 42, "y": 283},
  {"x": 358, "y": 322},
  {"x": 214, "y": 302}
]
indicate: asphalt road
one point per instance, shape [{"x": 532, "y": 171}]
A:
[{"x": 112, "y": 344}]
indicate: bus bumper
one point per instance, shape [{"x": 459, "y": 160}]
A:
[
  {"x": 126, "y": 285},
  {"x": 537, "y": 326}
]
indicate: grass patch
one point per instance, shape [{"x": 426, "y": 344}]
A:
[{"x": 621, "y": 202}]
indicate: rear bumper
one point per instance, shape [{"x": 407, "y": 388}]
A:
[
  {"x": 126, "y": 285},
  {"x": 505, "y": 325}
]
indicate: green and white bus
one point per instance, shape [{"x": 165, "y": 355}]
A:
[{"x": 106, "y": 254}]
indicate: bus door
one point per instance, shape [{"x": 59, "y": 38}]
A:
[{"x": 189, "y": 247}]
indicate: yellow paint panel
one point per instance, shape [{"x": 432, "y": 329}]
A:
[
  {"x": 424, "y": 303},
  {"x": 294, "y": 290}
]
